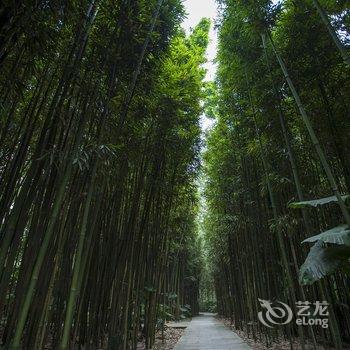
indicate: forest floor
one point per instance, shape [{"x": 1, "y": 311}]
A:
[
  {"x": 171, "y": 338},
  {"x": 280, "y": 344}
]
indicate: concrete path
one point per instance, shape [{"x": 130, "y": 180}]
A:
[{"x": 207, "y": 333}]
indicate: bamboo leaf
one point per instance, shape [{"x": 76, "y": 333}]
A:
[
  {"x": 317, "y": 202},
  {"x": 322, "y": 261},
  {"x": 336, "y": 235}
]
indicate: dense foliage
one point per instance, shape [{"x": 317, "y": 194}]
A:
[
  {"x": 277, "y": 163},
  {"x": 100, "y": 136}
]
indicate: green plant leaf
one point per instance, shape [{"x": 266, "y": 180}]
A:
[
  {"x": 322, "y": 261},
  {"x": 172, "y": 296},
  {"x": 336, "y": 235},
  {"x": 317, "y": 202}
]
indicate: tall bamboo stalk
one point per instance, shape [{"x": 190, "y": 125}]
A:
[
  {"x": 344, "y": 53},
  {"x": 326, "y": 167}
]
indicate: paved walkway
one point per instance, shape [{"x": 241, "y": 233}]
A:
[{"x": 207, "y": 333}]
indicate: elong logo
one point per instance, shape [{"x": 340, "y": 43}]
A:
[{"x": 279, "y": 313}]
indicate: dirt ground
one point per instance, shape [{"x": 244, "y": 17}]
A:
[{"x": 171, "y": 337}]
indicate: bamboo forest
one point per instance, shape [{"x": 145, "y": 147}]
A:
[{"x": 145, "y": 204}]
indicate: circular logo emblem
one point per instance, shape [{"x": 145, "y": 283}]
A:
[{"x": 274, "y": 313}]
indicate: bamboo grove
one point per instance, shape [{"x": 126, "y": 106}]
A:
[
  {"x": 277, "y": 164},
  {"x": 99, "y": 154}
]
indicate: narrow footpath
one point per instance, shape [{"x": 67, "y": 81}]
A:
[{"x": 205, "y": 332}]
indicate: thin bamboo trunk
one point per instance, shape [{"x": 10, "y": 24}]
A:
[
  {"x": 326, "y": 167},
  {"x": 345, "y": 55}
]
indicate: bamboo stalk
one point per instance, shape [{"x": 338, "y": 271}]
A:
[
  {"x": 345, "y": 55},
  {"x": 314, "y": 139}
]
